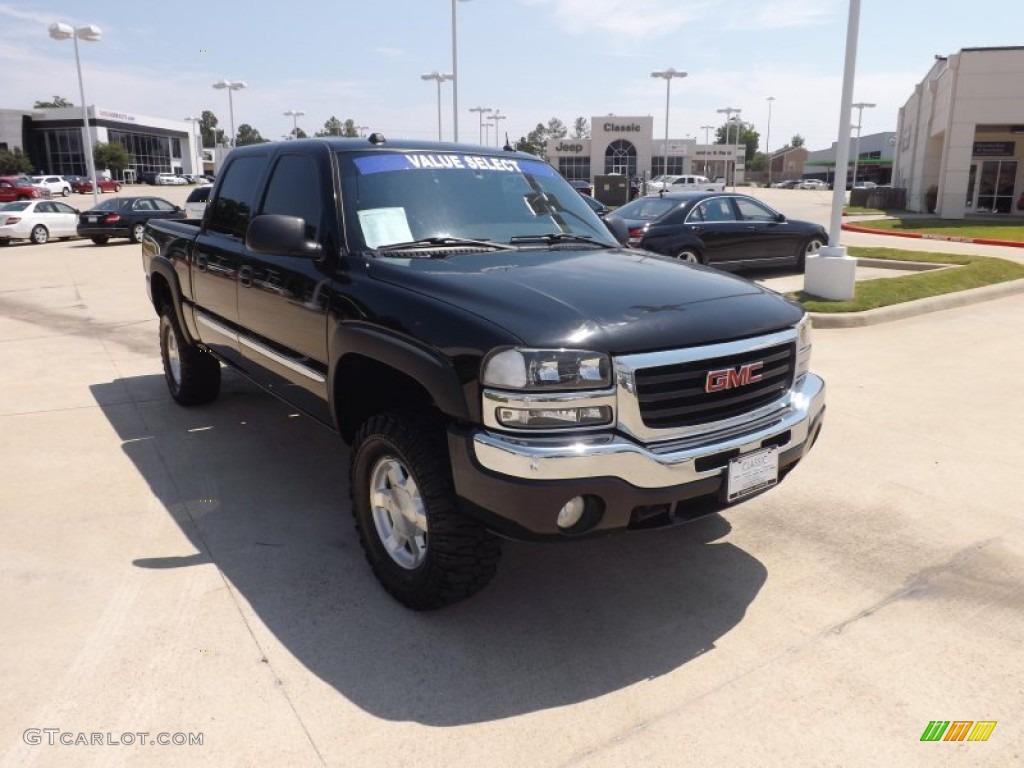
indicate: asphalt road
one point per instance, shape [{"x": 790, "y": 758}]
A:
[{"x": 165, "y": 570}]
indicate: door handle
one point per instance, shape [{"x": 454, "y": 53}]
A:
[
  {"x": 201, "y": 262},
  {"x": 751, "y": 227},
  {"x": 245, "y": 276}
]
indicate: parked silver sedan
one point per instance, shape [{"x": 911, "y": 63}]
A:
[{"x": 37, "y": 221}]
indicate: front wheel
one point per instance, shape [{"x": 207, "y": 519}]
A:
[
  {"x": 421, "y": 549},
  {"x": 117, "y": 187},
  {"x": 137, "y": 232},
  {"x": 192, "y": 373},
  {"x": 65, "y": 192},
  {"x": 40, "y": 234},
  {"x": 810, "y": 248}
]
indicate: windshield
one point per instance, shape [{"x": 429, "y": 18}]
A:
[
  {"x": 647, "y": 208},
  {"x": 396, "y": 197}
]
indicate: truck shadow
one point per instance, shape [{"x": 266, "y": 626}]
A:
[{"x": 263, "y": 494}]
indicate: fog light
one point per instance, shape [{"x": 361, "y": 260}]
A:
[{"x": 571, "y": 513}]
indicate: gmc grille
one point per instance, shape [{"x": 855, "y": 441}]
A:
[{"x": 674, "y": 395}]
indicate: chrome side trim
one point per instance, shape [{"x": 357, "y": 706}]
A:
[
  {"x": 494, "y": 399},
  {"x": 661, "y": 466},
  {"x": 631, "y": 422},
  {"x": 204, "y": 319},
  {"x": 280, "y": 359}
]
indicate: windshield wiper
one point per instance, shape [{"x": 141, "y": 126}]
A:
[
  {"x": 554, "y": 238},
  {"x": 433, "y": 242}
]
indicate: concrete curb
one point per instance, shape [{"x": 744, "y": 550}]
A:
[
  {"x": 918, "y": 307},
  {"x": 920, "y": 236}
]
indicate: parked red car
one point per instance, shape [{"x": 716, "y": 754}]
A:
[
  {"x": 19, "y": 188},
  {"x": 106, "y": 185}
]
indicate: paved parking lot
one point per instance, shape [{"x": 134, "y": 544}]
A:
[{"x": 178, "y": 571}]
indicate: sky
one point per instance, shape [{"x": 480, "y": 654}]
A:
[{"x": 530, "y": 59}]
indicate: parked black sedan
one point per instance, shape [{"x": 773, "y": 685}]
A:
[
  {"x": 124, "y": 217},
  {"x": 723, "y": 230}
]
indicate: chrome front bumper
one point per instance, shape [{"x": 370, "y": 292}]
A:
[{"x": 655, "y": 465}]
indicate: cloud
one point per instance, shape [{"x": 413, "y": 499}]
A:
[
  {"x": 391, "y": 53},
  {"x": 634, "y": 19},
  {"x": 13, "y": 12},
  {"x": 786, "y": 14}
]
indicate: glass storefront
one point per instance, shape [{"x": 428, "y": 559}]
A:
[
  {"x": 150, "y": 154},
  {"x": 575, "y": 167},
  {"x": 63, "y": 147}
]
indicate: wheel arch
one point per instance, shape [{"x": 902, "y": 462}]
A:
[{"x": 375, "y": 371}]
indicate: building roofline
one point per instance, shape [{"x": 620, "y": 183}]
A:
[{"x": 993, "y": 48}]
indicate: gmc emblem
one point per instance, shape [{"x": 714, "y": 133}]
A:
[{"x": 729, "y": 378}]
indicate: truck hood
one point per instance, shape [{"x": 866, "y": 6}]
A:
[{"x": 616, "y": 300}]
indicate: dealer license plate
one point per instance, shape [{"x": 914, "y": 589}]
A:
[
  {"x": 752, "y": 472},
  {"x": 92, "y": 219}
]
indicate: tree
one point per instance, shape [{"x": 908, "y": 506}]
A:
[
  {"x": 332, "y": 127},
  {"x": 111, "y": 155},
  {"x": 581, "y": 128},
  {"x": 534, "y": 143},
  {"x": 298, "y": 133},
  {"x": 58, "y": 101},
  {"x": 248, "y": 135},
  {"x": 556, "y": 129},
  {"x": 15, "y": 161},
  {"x": 797, "y": 140},
  {"x": 211, "y": 134},
  {"x": 349, "y": 129},
  {"x": 747, "y": 136}
]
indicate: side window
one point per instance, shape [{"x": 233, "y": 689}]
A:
[
  {"x": 63, "y": 208},
  {"x": 162, "y": 205},
  {"x": 718, "y": 209},
  {"x": 232, "y": 208},
  {"x": 754, "y": 211},
  {"x": 45, "y": 208},
  {"x": 698, "y": 215},
  {"x": 294, "y": 190}
]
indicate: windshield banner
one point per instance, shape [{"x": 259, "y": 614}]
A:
[{"x": 445, "y": 161}]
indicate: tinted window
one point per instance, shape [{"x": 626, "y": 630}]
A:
[
  {"x": 19, "y": 206},
  {"x": 648, "y": 208},
  {"x": 63, "y": 208},
  {"x": 751, "y": 210},
  {"x": 199, "y": 195},
  {"x": 294, "y": 190},
  {"x": 717, "y": 209},
  {"x": 232, "y": 209},
  {"x": 46, "y": 208},
  {"x": 162, "y": 205}
]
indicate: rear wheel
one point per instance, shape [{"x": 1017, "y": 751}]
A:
[
  {"x": 809, "y": 248},
  {"x": 5, "y": 241},
  {"x": 100, "y": 239},
  {"x": 690, "y": 256},
  {"x": 192, "y": 373},
  {"x": 137, "y": 232},
  {"x": 421, "y": 549},
  {"x": 39, "y": 234},
  {"x": 117, "y": 187}
]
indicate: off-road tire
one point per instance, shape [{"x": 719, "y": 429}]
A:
[
  {"x": 191, "y": 372},
  {"x": 461, "y": 556}
]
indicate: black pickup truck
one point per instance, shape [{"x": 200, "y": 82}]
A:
[{"x": 499, "y": 363}]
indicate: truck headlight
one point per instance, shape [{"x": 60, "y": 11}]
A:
[
  {"x": 803, "y": 347},
  {"x": 547, "y": 369}
]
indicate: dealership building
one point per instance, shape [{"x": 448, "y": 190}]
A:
[
  {"x": 52, "y": 138},
  {"x": 627, "y": 146},
  {"x": 961, "y": 134}
]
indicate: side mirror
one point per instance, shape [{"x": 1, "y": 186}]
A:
[
  {"x": 780, "y": 217},
  {"x": 283, "y": 235},
  {"x": 618, "y": 228}
]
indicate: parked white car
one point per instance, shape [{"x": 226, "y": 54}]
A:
[
  {"x": 170, "y": 179},
  {"x": 37, "y": 221},
  {"x": 57, "y": 185},
  {"x": 683, "y": 182},
  {"x": 812, "y": 184}
]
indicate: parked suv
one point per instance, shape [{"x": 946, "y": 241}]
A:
[{"x": 57, "y": 185}]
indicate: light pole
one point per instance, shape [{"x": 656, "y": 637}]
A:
[
  {"x": 295, "y": 114},
  {"x": 439, "y": 77},
  {"x": 768, "y": 139},
  {"x": 199, "y": 142},
  {"x": 667, "y": 75},
  {"x": 706, "y": 128},
  {"x": 90, "y": 33},
  {"x": 832, "y": 274},
  {"x": 495, "y": 118},
  {"x": 455, "y": 76},
  {"x": 860, "y": 106},
  {"x": 231, "y": 86},
  {"x": 481, "y": 111},
  {"x": 362, "y": 129},
  {"x": 729, "y": 112}
]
